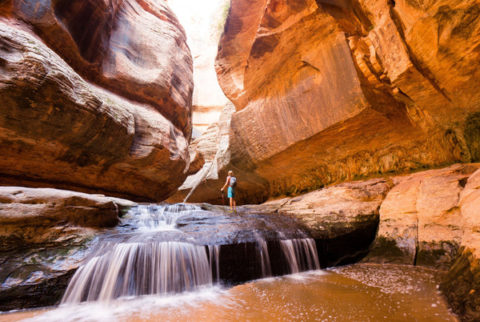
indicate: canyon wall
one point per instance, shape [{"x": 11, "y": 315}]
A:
[
  {"x": 328, "y": 91},
  {"x": 95, "y": 96}
]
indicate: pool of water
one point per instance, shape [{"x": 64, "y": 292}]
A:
[{"x": 361, "y": 292}]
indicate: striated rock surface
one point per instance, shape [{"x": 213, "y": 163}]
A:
[
  {"x": 44, "y": 236},
  {"x": 330, "y": 91},
  {"x": 60, "y": 131},
  {"x": 462, "y": 285},
  {"x": 134, "y": 48}
]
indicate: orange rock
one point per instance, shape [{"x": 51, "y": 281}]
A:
[
  {"x": 328, "y": 91},
  {"x": 421, "y": 221},
  {"x": 136, "y": 49},
  {"x": 57, "y": 130}
]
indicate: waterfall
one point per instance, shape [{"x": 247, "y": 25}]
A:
[
  {"x": 160, "y": 218},
  {"x": 145, "y": 260},
  {"x": 264, "y": 258},
  {"x": 301, "y": 254},
  {"x": 214, "y": 260},
  {"x": 133, "y": 269}
]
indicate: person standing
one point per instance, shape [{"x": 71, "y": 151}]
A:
[{"x": 231, "y": 183}]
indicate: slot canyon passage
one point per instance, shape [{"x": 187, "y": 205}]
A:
[{"x": 352, "y": 127}]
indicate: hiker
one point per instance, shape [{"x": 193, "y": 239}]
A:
[{"x": 231, "y": 183}]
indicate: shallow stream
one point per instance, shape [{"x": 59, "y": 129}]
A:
[
  {"x": 361, "y": 292},
  {"x": 185, "y": 263}
]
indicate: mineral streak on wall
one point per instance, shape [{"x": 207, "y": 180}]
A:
[{"x": 328, "y": 91}]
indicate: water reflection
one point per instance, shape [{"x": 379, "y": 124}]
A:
[{"x": 353, "y": 293}]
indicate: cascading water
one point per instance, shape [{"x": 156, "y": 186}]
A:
[
  {"x": 138, "y": 269},
  {"x": 301, "y": 254},
  {"x": 158, "y": 251}
]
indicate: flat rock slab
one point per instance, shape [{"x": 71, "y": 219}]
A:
[
  {"x": 336, "y": 210},
  {"x": 30, "y": 216},
  {"x": 44, "y": 235}
]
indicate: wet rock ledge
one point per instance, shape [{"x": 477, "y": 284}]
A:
[{"x": 44, "y": 236}]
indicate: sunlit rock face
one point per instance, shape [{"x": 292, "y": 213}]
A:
[
  {"x": 203, "y": 22},
  {"x": 204, "y": 185},
  {"x": 95, "y": 96},
  {"x": 425, "y": 218},
  {"x": 330, "y": 91},
  {"x": 462, "y": 285}
]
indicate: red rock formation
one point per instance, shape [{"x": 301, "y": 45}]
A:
[
  {"x": 58, "y": 130},
  {"x": 422, "y": 220},
  {"x": 334, "y": 90},
  {"x": 136, "y": 49}
]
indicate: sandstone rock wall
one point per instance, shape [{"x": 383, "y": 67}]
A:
[
  {"x": 329, "y": 91},
  {"x": 136, "y": 49},
  {"x": 421, "y": 218},
  {"x": 94, "y": 96}
]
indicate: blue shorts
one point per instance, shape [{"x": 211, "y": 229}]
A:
[{"x": 231, "y": 192}]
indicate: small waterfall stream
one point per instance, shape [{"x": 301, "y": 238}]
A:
[{"x": 151, "y": 255}]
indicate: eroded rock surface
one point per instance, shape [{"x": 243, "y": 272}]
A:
[
  {"x": 330, "y": 91},
  {"x": 57, "y": 130},
  {"x": 462, "y": 285},
  {"x": 44, "y": 236},
  {"x": 342, "y": 218},
  {"x": 136, "y": 49},
  {"x": 421, "y": 219}
]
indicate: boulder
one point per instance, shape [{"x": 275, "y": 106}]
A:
[
  {"x": 57, "y": 130},
  {"x": 421, "y": 220},
  {"x": 340, "y": 209},
  {"x": 343, "y": 218}
]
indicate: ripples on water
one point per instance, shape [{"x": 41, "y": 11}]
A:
[{"x": 352, "y": 293}]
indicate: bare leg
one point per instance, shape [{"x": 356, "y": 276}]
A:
[
  {"x": 234, "y": 205},
  {"x": 231, "y": 203}
]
